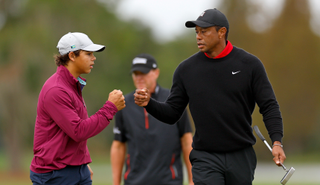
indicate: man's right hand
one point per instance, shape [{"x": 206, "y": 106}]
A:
[
  {"x": 117, "y": 98},
  {"x": 142, "y": 97}
]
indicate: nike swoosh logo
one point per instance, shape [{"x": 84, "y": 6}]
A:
[{"x": 236, "y": 72}]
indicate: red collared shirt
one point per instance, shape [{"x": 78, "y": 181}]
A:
[{"x": 225, "y": 51}]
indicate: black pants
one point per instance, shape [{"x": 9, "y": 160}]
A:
[{"x": 232, "y": 168}]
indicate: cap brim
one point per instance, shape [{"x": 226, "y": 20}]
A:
[
  {"x": 192, "y": 24},
  {"x": 140, "y": 68},
  {"x": 94, "y": 47}
]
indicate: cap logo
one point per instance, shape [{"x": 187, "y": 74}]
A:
[
  {"x": 73, "y": 46},
  {"x": 154, "y": 65},
  {"x": 138, "y": 60},
  {"x": 202, "y": 14}
]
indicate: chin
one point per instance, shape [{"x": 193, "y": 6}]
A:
[{"x": 203, "y": 50}]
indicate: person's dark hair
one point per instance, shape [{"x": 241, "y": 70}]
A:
[
  {"x": 219, "y": 27},
  {"x": 64, "y": 59}
]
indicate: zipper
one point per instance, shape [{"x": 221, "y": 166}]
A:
[
  {"x": 146, "y": 118},
  {"x": 128, "y": 167},
  {"x": 171, "y": 167}
]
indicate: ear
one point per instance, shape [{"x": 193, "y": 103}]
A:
[
  {"x": 72, "y": 56},
  {"x": 222, "y": 32},
  {"x": 157, "y": 72}
]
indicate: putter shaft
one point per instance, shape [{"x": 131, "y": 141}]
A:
[
  {"x": 290, "y": 171},
  {"x": 284, "y": 168}
]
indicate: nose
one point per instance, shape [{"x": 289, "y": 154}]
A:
[
  {"x": 93, "y": 57},
  {"x": 198, "y": 36}
]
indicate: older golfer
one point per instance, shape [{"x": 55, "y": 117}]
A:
[{"x": 221, "y": 83}]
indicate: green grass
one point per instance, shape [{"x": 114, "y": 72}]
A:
[
  {"x": 13, "y": 182},
  {"x": 102, "y": 170},
  {"x": 287, "y": 183}
]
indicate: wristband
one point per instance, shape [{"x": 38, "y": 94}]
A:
[{"x": 277, "y": 145}]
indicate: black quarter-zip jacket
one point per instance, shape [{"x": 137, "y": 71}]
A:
[{"x": 221, "y": 94}]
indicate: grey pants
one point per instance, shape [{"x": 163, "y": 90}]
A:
[{"x": 232, "y": 168}]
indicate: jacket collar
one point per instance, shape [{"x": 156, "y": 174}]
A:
[{"x": 67, "y": 76}]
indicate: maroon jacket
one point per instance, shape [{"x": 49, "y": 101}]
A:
[{"x": 62, "y": 125}]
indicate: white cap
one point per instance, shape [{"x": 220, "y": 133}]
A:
[{"x": 75, "y": 41}]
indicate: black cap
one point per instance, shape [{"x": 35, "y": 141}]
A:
[
  {"x": 208, "y": 18},
  {"x": 143, "y": 63}
]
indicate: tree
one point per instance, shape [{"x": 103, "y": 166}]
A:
[{"x": 293, "y": 64}]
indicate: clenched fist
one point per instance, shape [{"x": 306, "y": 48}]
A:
[
  {"x": 142, "y": 97},
  {"x": 117, "y": 98}
]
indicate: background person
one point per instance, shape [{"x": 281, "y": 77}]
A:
[
  {"x": 221, "y": 83},
  {"x": 62, "y": 125},
  {"x": 153, "y": 148}
]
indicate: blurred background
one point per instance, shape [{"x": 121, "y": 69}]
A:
[{"x": 284, "y": 34}]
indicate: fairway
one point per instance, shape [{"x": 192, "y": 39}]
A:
[
  {"x": 306, "y": 173},
  {"x": 18, "y": 182},
  {"x": 265, "y": 175}
]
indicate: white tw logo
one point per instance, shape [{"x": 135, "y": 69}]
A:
[{"x": 201, "y": 15}]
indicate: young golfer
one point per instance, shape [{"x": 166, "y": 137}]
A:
[
  {"x": 62, "y": 126},
  {"x": 221, "y": 83}
]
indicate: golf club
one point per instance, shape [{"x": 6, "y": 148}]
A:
[{"x": 289, "y": 173}]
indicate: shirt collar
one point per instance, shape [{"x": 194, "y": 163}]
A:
[
  {"x": 82, "y": 82},
  {"x": 224, "y": 52},
  {"x": 156, "y": 91}
]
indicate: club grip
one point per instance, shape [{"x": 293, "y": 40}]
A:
[{"x": 256, "y": 129}]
